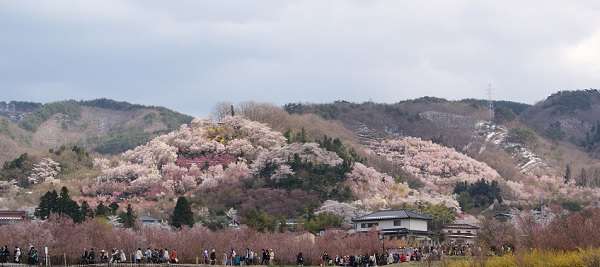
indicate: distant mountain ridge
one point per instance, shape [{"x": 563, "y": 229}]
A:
[
  {"x": 449, "y": 122},
  {"x": 563, "y": 129},
  {"x": 102, "y": 125}
]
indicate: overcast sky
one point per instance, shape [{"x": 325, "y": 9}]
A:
[{"x": 189, "y": 55}]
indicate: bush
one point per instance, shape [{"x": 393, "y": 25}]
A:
[
  {"x": 571, "y": 205},
  {"x": 260, "y": 221},
  {"x": 322, "y": 221}
]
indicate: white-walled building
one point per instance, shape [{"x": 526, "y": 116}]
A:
[
  {"x": 399, "y": 224},
  {"x": 460, "y": 233}
]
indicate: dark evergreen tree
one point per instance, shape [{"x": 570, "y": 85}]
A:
[
  {"x": 114, "y": 207},
  {"x": 568, "y": 174},
  {"x": 480, "y": 194},
  {"x": 128, "y": 218},
  {"x": 86, "y": 211},
  {"x": 182, "y": 214},
  {"x": 68, "y": 207},
  {"x": 47, "y": 205},
  {"x": 53, "y": 201},
  {"x": 102, "y": 210},
  {"x": 288, "y": 135}
]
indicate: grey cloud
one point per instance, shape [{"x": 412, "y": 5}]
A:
[{"x": 192, "y": 54}]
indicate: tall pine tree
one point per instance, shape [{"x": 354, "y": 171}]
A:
[
  {"x": 182, "y": 214},
  {"x": 568, "y": 174},
  {"x": 48, "y": 205},
  {"x": 68, "y": 207},
  {"x": 128, "y": 218},
  {"x": 114, "y": 207}
]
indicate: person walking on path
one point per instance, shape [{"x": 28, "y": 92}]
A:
[
  {"x": 17, "y": 255},
  {"x": 271, "y": 257},
  {"x": 205, "y": 257},
  {"x": 123, "y": 257},
  {"x": 138, "y": 256},
  {"x": 213, "y": 257},
  {"x": 300, "y": 260},
  {"x": 173, "y": 257}
]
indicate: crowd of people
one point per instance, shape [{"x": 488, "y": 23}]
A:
[
  {"x": 231, "y": 257},
  {"x": 376, "y": 259},
  {"x": 458, "y": 249},
  {"x": 247, "y": 257},
  {"x": 156, "y": 255},
  {"x": 32, "y": 257},
  {"x": 139, "y": 256}
]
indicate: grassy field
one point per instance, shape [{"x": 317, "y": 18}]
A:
[{"x": 533, "y": 258}]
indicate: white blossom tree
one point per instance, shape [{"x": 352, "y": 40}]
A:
[{"x": 46, "y": 170}]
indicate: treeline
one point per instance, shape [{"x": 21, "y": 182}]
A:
[
  {"x": 585, "y": 177},
  {"x": 314, "y": 223},
  {"x": 120, "y": 142},
  {"x": 61, "y": 204},
  {"x": 569, "y": 101},
  {"x": 69, "y": 108},
  {"x": 571, "y": 232},
  {"x": 62, "y": 237}
]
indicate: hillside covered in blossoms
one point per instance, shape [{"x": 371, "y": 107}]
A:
[
  {"x": 267, "y": 164},
  {"x": 255, "y": 167}
]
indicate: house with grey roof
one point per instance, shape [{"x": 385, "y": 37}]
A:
[{"x": 395, "y": 224}]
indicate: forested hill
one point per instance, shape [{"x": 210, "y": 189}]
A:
[
  {"x": 426, "y": 117},
  {"x": 559, "y": 132},
  {"x": 101, "y": 125},
  {"x": 569, "y": 116}
]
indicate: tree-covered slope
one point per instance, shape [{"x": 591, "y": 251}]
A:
[{"x": 102, "y": 125}]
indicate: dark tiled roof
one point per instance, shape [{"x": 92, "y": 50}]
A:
[
  {"x": 392, "y": 214},
  {"x": 12, "y": 215},
  {"x": 146, "y": 218},
  {"x": 460, "y": 226}
]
